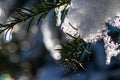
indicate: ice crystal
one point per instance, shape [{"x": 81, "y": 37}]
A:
[{"x": 111, "y": 47}]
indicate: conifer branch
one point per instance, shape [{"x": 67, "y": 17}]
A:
[
  {"x": 24, "y": 14},
  {"x": 72, "y": 52}
]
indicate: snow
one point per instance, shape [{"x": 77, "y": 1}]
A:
[
  {"x": 58, "y": 12},
  {"x": 111, "y": 47},
  {"x": 50, "y": 35},
  {"x": 89, "y": 17}
]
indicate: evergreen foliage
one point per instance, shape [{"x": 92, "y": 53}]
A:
[{"x": 72, "y": 50}]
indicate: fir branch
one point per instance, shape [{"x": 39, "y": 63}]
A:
[
  {"x": 73, "y": 27},
  {"x": 72, "y": 52},
  {"x": 24, "y": 14}
]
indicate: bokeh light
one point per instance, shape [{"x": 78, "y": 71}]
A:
[
  {"x": 8, "y": 35},
  {"x": 12, "y": 47},
  {"x": 5, "y": 76},
  {"x": 25, "y": 45}
]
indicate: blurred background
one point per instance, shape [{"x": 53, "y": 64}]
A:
[{"x": 32, "y": 55}]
